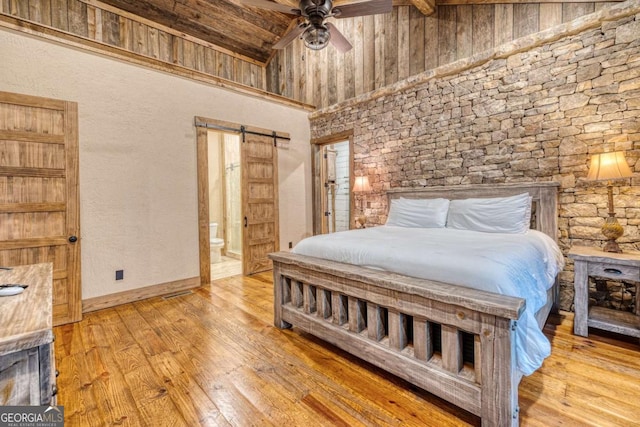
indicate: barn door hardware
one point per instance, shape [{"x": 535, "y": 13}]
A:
[{"x": 244, "y": 131}]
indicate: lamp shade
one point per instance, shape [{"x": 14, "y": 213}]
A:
[
  {"x": 361, "y": 184},
  {"x": 609, "y": 166}
]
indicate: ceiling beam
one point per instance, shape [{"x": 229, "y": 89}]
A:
[
  {"x": 291, "y": 3},
  {"x": 427, "y": 7}
]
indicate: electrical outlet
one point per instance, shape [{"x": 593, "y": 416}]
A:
[
  {"x": 290, "y": 245},
  {"x": 119, "y": 274}
]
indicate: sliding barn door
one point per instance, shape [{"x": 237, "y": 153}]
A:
[
  {"x": 39, "y": 212},
  {"x": 260, "y": 202}
]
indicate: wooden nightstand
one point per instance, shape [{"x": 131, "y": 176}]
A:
[{"x": 594, "y": 262}]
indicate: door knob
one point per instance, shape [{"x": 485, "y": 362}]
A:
[{"x": 73, "y": 239}]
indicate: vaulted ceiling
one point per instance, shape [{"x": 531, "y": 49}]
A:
[{"x": 246, "y": 30}]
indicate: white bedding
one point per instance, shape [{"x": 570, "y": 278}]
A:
[{"x": 521, "y": 265}]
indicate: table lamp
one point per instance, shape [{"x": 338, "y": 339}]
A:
[
  {"x": 361, "y": 185},
  {"x": 609, "y": 167}
]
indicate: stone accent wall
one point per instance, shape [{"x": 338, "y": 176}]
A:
[{"x": 532, "y": 110}]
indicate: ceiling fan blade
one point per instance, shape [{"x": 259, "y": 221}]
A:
[
  {"x": 265, "y": 4},
  {"x": 371, "y": 7},
  {"x": 338, "y": 40},
  {"x": 290, "y": 36}
]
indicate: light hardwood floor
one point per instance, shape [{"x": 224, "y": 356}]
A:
[{"x": 213, "y": 358}]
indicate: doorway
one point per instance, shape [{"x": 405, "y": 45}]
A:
[
  {"x": 258, "y": 232},
  {"x": 39, "y": 200},
  {"x": 225, "y": 204},
  {"x": 336, "y": 178},
  {"x": 333, "y": 204}
]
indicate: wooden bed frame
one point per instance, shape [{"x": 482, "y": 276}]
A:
[{"x": 416, "y": 328}]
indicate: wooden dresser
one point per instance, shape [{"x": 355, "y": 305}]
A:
[{"x": 27, "y": 374}]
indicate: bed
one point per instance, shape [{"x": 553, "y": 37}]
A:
[{"x": 455, "y": 342}]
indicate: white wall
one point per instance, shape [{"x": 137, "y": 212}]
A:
[{"x": 138, "y": 187}]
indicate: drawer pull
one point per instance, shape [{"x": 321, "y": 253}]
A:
[
  {"x": 57, "y": 373},
  {"x": 612, "y": 271},
  {"x": 54, "y": 390}
]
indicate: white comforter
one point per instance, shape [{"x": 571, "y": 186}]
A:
[{"x": 521, "y": 265}]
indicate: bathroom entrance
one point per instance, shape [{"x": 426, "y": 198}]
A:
[
  {"x": 335, "y": 189},
  {"x": 225, "y": 204},
  {"x": 238, "y": 224}
]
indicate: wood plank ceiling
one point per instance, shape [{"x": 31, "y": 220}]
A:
[{"x": 245, "y": 30}]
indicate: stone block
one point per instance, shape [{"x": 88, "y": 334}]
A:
[
  {"x": 629, "y": 85},
  {"x": 572, "y": 210},
  {"x": 589, "y": 72},
  {"x": 577, "y": 100},
  {"x": 628, "y": 33},
  {"x": 597, "y": 127}
]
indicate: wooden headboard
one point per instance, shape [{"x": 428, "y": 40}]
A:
[{"x": 544, "y": 198}]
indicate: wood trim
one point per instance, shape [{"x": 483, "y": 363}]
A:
[
  {"x": 32, "y": 207},
  {"x": 32, "y": 172},
  {"x": 84, "y": 43},
  {"x": 203, "y": 204},
  {"x": 31, "y": 101},
  {"x": 33, "y": 243},
  {"x": 119, "y": 298},
  {"x": 73, "y": 210},
  {"x": 334, "y": 137},
  {"x": 16, "y": 135},
  {"x": 317, "y": 179}
]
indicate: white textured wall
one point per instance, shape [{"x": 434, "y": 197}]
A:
[{"x": 138, "y": 196}]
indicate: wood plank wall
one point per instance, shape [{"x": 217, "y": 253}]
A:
[
  {"x": 389, "y": 48},
  {"x": 105, "y": 24}
]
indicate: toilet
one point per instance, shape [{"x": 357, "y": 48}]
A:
[{"x": 215, "y": 244}]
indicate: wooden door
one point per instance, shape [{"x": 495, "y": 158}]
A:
[
  {"x": 259, "y": 202},
  {"x": 39, "y": 209}
]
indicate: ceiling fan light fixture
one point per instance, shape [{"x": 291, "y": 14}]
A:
[{"x": 316, "y": 38}]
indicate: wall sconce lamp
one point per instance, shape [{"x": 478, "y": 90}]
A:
[
  {"x": 360, "y": 185},
  {"x": 609, "y": 167}
]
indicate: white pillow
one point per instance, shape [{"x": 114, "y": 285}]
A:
[
  {"x": 493, "y": 215},
  {"x": 423, "y": 213}
]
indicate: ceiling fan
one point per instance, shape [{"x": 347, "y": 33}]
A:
[{"x": 315, "y": 32}]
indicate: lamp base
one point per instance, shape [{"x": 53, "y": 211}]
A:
[{"x": 612, "y": 230}]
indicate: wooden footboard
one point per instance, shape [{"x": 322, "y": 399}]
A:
[{"x": 454, "y": 342}]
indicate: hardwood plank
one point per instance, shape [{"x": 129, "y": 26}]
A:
[
  {"x": 379, "y": 51},
  {"x": 417, "y": 43},
  {"x": 525, "y": 18},
  {"x": 503, "y": 30},
  {"x": 447, "y": 18},
  {"x": 550, "y": 15},
  {"x": 483, "y": 28},
  {"x": 339, "y": 67},
  {"x": 110, "y": 28},
  {"x": 369, "y": 55},
  {"x": 348, "y": 78},
  {"x": 464, "y": 31},
  {"x": 60, "y": 14},
  {"x": 40, "y": 11},
  {"x": 20, "y": 8},
  {"x": 571, "y": 11},
  {"x": 432, "y": 50},
  {"x": 391, "y": 51}
]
